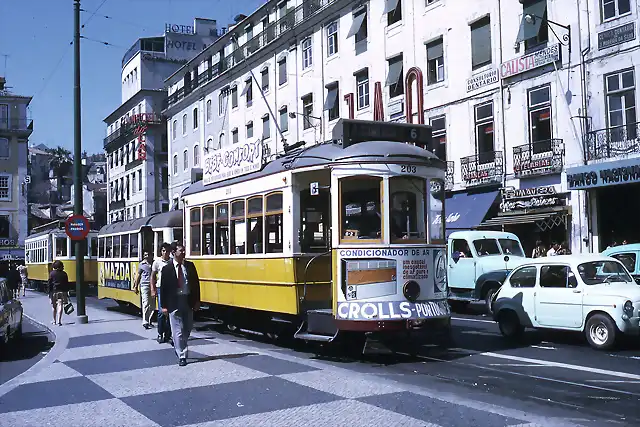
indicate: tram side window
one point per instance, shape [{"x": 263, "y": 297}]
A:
[
  {"x": 222, "y": 229},
  {"x": 314, "y": 221},
  {"x": 208, "y": 227},
  {"x": 73, "y": 247},
  {"x": 108, "y": 247},
  {"x": 133, "y": 245},
  {"x": 436, "y": 223},
  {"x": 159, "y": 241},
  {"x": 177, "y": 235},
  {"x": 407, "y": 209},
  {"x": 94, "y": 247},
  {"x": 194, "y": 220},
  {"x": 273, "y": 223},
  {"x": 238, "y": 228},
  {"x": 254, "y": 225},
  {"x": 124, "y": 246},
  {"x": 61, "y": 246},
  {"x": 360, "y": 208},
  {"x": 116, "y": 246},
  {"x": 101, "y": 247}
]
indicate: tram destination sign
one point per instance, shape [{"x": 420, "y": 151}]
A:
[
  {"x": 352, "y": 132},
  {"x": 231, "y": 162}
]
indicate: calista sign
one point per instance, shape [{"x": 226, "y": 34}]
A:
[{"x": 529, "y": 62}]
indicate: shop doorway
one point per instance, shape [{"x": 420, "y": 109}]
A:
[
  {"x": 553, "y": 229},
  {"x": 618, "y": 208}
]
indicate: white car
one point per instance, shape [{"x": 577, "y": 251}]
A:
[{"x": 594, "y": 294}]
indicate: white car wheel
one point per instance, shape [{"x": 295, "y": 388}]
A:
[{"x": 601, "y": 332}]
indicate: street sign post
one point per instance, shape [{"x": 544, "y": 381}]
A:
[{"x": 77, "y": 227}]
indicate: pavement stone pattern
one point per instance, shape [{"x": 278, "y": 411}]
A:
[{"x": 120, "y": 376}]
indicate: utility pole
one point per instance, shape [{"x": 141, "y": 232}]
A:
[{"x": 77, "y": 168}]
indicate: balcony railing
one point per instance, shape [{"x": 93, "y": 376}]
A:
[
  {"x": 448, "y": 180},
  {"x": 538, "y": 158},
  {"x": 291, "y": 20},
  {"x": 482, "y": 168},
  {"x": 613, "y": 142},
  {"x": 18, "y": 126},
  {"x": 129, "y": 125}
]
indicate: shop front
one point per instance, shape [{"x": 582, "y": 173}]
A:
[
  {"x": 613, "y": 190},
  {"x": 538, "y": 213}
]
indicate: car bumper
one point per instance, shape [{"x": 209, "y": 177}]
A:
[{"x": 630, "y": 326}]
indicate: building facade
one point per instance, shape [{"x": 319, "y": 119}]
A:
[
  {"x": 136, "y": 141},
  {"x": 15, "y": 129},
  {"x": 509, "y": 88}
]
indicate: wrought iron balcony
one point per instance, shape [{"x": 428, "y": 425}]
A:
[
  {"x": 538, "y": 158},
  {"x": 482, "y": 168},
  {"x": 128, "y": 126},
  {"x": 613, "y": 142},
  {"x": 448, "y": 180},
  {"x": 12, "y": 126}
]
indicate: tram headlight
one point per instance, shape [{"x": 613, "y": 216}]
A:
[{"x": 411, "y": 290}]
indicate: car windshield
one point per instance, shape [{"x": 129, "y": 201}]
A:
[
  {"x": 511, "y": 247},
  {"x": 597, "y": 272},
  {"x": 486, "y": 247}
]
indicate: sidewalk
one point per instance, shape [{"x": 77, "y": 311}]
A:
[{"x": 112, "y": 372}]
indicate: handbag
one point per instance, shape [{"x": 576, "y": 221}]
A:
[{"x": 68, "y": 307}]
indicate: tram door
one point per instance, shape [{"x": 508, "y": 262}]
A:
[{"x": 147, "y": 240}]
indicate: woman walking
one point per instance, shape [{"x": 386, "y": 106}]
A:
[{"x": 58, "y": 290}]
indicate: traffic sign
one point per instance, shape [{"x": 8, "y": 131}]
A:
[{"x": 77, "y": 227}]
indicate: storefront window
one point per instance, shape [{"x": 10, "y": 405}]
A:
[
  {"x": 436, "y": 212},
  {"x": 510, "y": 247},
  {"x": 407, "y": 209},
  {"x": 361, "y": 217}
]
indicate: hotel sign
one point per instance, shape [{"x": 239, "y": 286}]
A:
[
  {"x": 530, "y": 62},
  {"x": 615, "y": 36},
  {"x": 483, "y": 79}
]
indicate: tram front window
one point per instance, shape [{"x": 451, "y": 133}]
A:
[
  {"x": 360, "y": 208},
  {"x": 407, "y": 208}
]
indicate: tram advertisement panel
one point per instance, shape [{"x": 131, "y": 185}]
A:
[
  {"x": 392, "y": 284},
  {"x": 117, "y": 274}
]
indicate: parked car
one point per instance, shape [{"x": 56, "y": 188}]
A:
[
  {"x": 591, "y": 293},
  {"x": 629, "y": 255},
  {"x": 10, "y": 315}
]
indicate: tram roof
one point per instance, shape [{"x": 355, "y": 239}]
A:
[
  {"x": 165, "y": 219},
  {"x": 332, "y": 153},
  {"x": 56, "y": 231}
]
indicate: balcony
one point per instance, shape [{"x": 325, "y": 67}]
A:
[
  {"x": 18, "y": 127},
  {"x": 538, "y": 158},
  {"x": 448, "y": 180},
  {"x": 292, "y": 19},
  {"x": 128, "y": 125},
  {"x": 483, "y": 168},
  {"x": 613, "y": 142}
]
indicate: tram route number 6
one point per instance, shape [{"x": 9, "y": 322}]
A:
[{"x": 407, "y": 169}]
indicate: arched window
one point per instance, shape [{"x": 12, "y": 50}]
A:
[
  {"x": 208, "y": 110},
  {"x": 220, "y": 141},
  {"x": 196, "y": 155}
]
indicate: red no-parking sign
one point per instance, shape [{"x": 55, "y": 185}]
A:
[{"x": 77, "y": 227}]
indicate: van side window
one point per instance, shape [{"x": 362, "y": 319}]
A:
[
  {"x": 627, "y": 259},
  {"x": 461, "y": 245},
  {"x": 555, "y": 276},
  {"x": 524, "y": 278}
]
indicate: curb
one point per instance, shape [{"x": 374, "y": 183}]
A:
[{"x": 61, "y": 340}]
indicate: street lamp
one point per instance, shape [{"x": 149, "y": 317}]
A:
[{"x": 566, "y": 38}]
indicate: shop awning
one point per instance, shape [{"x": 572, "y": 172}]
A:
[
  {"x": 548, "y": 218},
  {"x": 358, "y": 20},
  {"x": 466, "y": 211}
]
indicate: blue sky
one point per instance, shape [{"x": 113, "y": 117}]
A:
[{"x": 36, "y": 34}]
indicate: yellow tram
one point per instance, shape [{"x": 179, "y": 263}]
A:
[
  {"x": 120, "y": 247},
  {"x": 338, "y": 239},
  {"x": 50, "y": 243}
]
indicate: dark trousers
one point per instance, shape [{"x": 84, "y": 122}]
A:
[{"x": 163, "y": 321}]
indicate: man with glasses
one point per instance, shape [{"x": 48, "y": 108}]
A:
[{"x": 164, "y": 332}]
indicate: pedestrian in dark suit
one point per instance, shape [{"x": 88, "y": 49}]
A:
[{"x": 180, "y": 297}]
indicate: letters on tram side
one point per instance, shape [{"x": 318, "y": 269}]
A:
[{"x": 117, "y": 274}]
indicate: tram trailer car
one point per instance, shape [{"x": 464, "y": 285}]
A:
[
  {"x": 120, "y": 246},
  {"x": 326, "y": 242},
  {"x": 52, "y": 244}
]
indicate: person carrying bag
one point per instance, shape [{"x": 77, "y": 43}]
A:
[{"x": 59, "y": 292}]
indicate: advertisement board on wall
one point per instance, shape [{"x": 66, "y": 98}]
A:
[{"x": 237, "y": 160}]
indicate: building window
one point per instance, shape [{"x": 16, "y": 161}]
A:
[
  {"x": 140, "y": 180},
  {"x": 359, "y": 28},
  {"x": 307, "y": 54},
  {"x": 220, "y": 141},
  {"x": 395, "y": 80},
  {"x": 307, "y": 110},
  {"x": 539, "y": 109},
  {"x": 234, "y": 136},
  {"x": 439, "y": 136},
  {"x": 266, "y": 130},
  {"x": 248, "y": 92},
  {"x": 174, "y": 130},
  {"x": 140, "y": 211},
  {"x": 185, "y": 160},
  {"x": 393, "y": 9},
  {"x": 533, "y": 32},
  {"x": 249, "y": 130},
  {"x": 284, "y": 119},
  {"x": 5, "y": 150},
  {"x": 481, "y": 42},
  {"x": 282, "y": 71},
  {"x": 264, "y": 77},
  {"x": 184, "y": 124},
  {"x": 195, "y": 118},
  {"x": 621, "y": 105},
  {"x": 430, "y": 2},
  {"x": 208, "y": 110},
  {"x": 234, "y": 97},
  {"x": 332, "y": 38},
  {"x": 196, "y": 155},
  {"x": 362, "y": 88},
  {"x": 614, "y": 8},
  {"x": 222, "y": 103},
  {"x": 4, "y": 116},
  {"x": 175, "y": 164},
  {"x": 331, "y": 103},
  {"x": 435, "y": 62},
  {"x": 484, "y": 132},
  {"x": 5, "y": 187}
]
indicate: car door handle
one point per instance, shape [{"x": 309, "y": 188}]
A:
[{"x": 576, "y": 291}]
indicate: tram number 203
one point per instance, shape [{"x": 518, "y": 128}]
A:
[{"x": 407, "y": 169}]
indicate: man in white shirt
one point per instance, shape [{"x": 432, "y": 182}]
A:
[{"x": 164, "y": 331}]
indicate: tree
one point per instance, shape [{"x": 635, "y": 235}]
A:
[{"x": 61, "y": 161}]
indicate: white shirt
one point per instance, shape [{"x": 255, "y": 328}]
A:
[
  {"x": 185, "y": 286},
  {"x": 157, "y": 267},
  {"x": 551, "y": 252}
]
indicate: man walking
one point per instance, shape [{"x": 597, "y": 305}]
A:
[
  {"x": 23, "y": 277},
  {"x": 164, "y": 331},
  {"x": 143, "y": 282},
  {"x": 180, "y": 297}
]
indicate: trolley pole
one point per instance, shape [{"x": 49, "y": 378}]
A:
[{"x": 77, "y": 168}]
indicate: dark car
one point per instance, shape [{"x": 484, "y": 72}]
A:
[{"x": 10, "y": 315}]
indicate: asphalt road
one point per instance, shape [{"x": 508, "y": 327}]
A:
[
  {"x": 556, "y": 372},
  {"x": 36, "y": 342}
]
